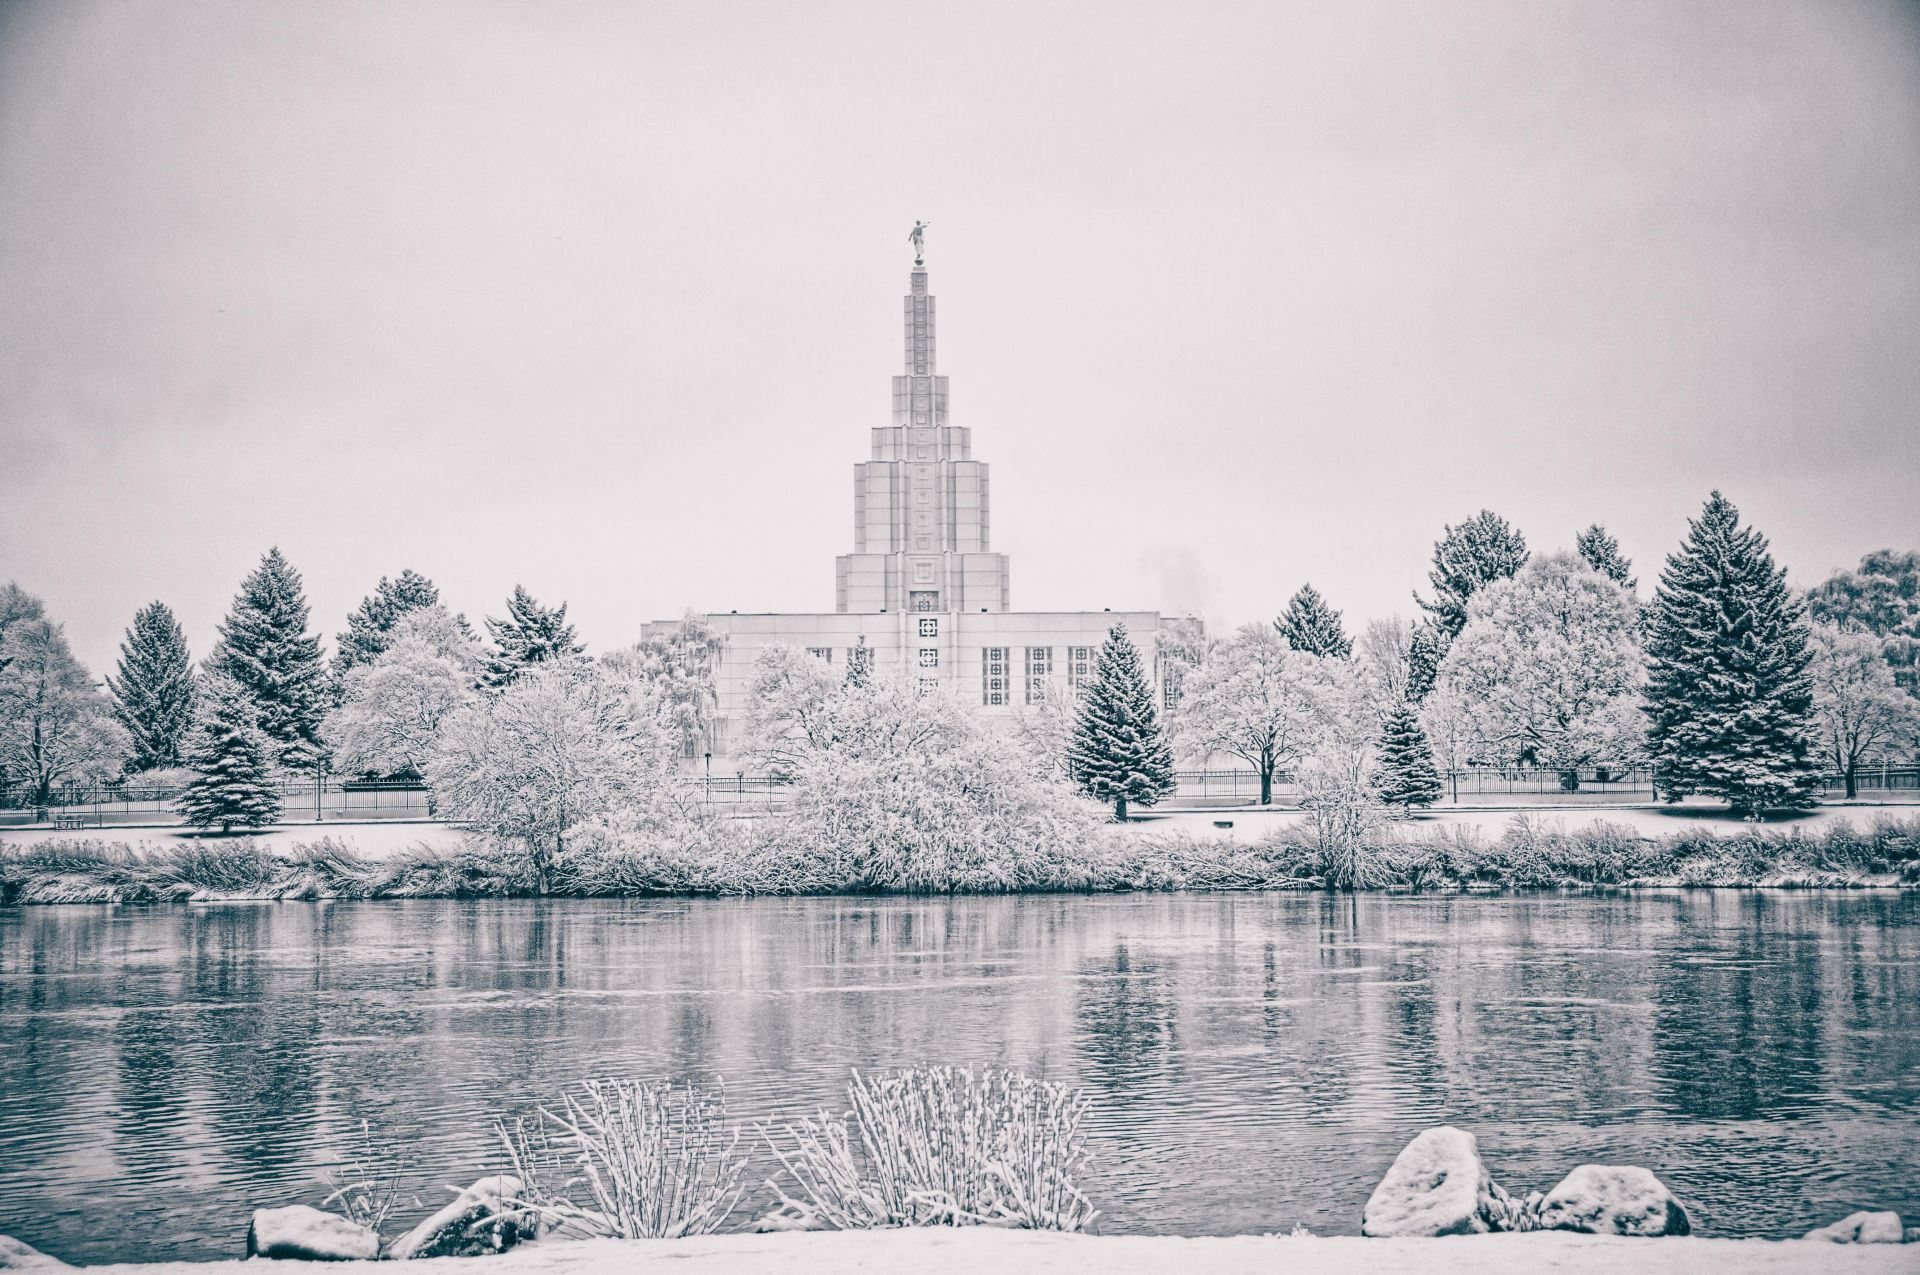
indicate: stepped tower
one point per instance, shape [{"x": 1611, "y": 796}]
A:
[{"x": 920, "y": 509}]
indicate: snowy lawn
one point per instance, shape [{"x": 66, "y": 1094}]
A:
[
  {"x": 373, "y": 840},
  {"x": 1651, "y": 821},
  {"x": 968, "y": 1250}
]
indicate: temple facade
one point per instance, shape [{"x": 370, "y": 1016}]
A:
[{"x": 923, "y": 591}]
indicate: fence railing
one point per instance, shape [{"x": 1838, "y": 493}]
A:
[{"x": 1473, "y": 782}]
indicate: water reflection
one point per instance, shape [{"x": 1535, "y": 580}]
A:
[{"x": 1256, "y": 1061}]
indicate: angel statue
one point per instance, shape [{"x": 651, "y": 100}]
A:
[{"x": 918, "y": 238}]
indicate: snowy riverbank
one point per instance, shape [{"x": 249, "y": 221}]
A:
[{"x": 966, "y": 1251}]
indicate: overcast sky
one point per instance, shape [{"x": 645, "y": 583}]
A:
[{"x": 604, "y": 299}]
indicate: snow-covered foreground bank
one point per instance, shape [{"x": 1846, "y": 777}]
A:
[
  {"x": 966, "y": 1251},
  {"x": 374, "y": 840}
]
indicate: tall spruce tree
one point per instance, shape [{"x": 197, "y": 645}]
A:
[
  {"x": 1729, "y": 691},
  {"x": 531, "y": 634},
  {"x": 1118, "y": 752},
  {"x": 370, "y": 628},
  {"x": 1310, "y": 625},
  {"x": 1602, "y": 553},
  {"x": 233, "y": 760},
  {"x": 1406, "y": 773},
  {"x": 265, "y": 647},
  {"x": 153, "y": 689},
  {"x": 1466, "y": 559}
]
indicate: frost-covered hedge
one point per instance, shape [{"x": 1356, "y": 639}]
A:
[{"x": 1041, "y": 849}]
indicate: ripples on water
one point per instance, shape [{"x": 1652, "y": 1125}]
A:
[{"x": 1256, "y": 1061}]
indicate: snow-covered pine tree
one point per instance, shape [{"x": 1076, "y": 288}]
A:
[
  {"x": 1311, "y": 626},
  {"x": 1466, "y": 558},
  {"x": 370, "y": 627},
  {"x": 859, "y": 663},
  {"x": 1602, "y": 553},
  {"x": 1406, "y": 773},
  {"x": 1117, "y": 752},
  {"x": 531, "y": 634},
  {"x": 153, "y": 689},
  {"x": 1729, "y": 688},
  {"x": 233, "y": 785},
  {"x": 265, "y": 647},
  {"x": 1425, "y": 649}
]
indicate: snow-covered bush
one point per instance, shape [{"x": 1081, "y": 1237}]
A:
[
  {"x": 898, "y": 790},
  {"x": 628, "y": 1159},
  {"x": 940, "y": 1146}
]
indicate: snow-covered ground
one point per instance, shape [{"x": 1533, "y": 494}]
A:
[
  {"x": 967, "y": 1251},
  {"x": 1652, "y": 821},
  {"x": 371, "y": 839},
  {"x": 386, "y": 837}
]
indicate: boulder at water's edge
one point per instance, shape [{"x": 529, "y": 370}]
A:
[
  {"x": 476, "y": 1222},
  {"x": 1862, "y": 1228},
  {"x": 1437, "y": 1185},
  {"x": 1609, "y": 1199},
  {"x": 309, "y": 1235}
]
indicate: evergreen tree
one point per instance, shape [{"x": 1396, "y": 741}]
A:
[
  {"x": 1406, "y": 773},
  {"x": 1602, "y": 553},
  {"x": 370, "y": 627},
  {"x": 1466, "y": 558},
  {"x": 233, "y": 760},
  {"x": 859, "y": 663},
  {"x": 1729, "y": 691},
  {"x": 1425, "y": 650},
  {"x": 153, "y": 692},
  {"x": 1310, "y": 625},
  {"x": 1117, "y": 752},
  {"x": 265, "y": 647},
  {"x": 531, "y": 634}
]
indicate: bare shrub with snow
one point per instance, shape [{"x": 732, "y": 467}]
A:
[
  {"x": 940, "y": 1146},
  {"x": 627, "y": 1159}
]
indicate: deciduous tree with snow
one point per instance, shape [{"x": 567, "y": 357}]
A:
[
  {"x": 1256, "y": 699},
  {"x": 565, "y": 742},
  {"x": 393, "y": 708},
  {"x": 1856, "y": 702},
  {"x": 55, "y": 725},
  {"x": 1549, "y": 669}
]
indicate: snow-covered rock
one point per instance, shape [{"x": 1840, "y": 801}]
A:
[
  {"x": 1437, "y": 1185},
  {"x": 471, "y": 1225},
  {"x": 1608, "y": 1199},
  {"x": 310, "y": 1235},
  {"x": 1861, "y": 1228},
  {"x": 18, "y": 1255}
]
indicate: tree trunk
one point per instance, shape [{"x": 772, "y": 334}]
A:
[
  {"x": 1853, "y": 783},
  {"x": 1570, "y": 781},
  {"x": 1266, "y": 785},
  {"x": 1120, "y": 809}
]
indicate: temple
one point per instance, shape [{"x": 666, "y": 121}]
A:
[{"x": 923, "y": 591}]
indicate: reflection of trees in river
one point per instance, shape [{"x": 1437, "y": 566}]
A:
[{"x": 1128, "y": 1031}]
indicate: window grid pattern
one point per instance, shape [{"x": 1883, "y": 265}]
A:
[
  {"x": 994, "y": 672},
  {"x": 1039, "y": 673}
]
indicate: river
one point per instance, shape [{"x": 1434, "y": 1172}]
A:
[{"x": 1255, "y": 1061}]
